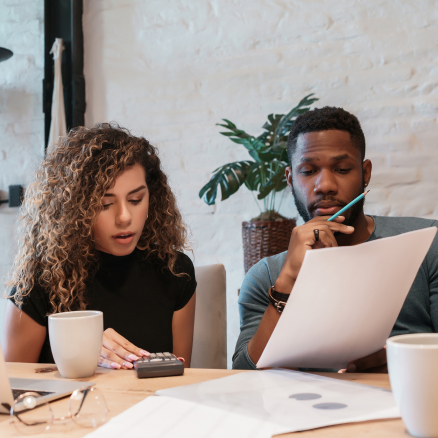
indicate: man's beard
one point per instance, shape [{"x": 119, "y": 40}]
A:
[{"x": 350, "y": 215}]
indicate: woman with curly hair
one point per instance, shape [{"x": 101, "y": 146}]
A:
[{"x": 100, "y": 230}]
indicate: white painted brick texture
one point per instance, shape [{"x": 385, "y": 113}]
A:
[
  {"x": 171, "y": 69},
  {"x": 21, "y": 116}
]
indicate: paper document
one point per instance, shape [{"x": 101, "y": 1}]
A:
[
  {"x": 164, "y": 417},
  {"x": 255, "y": 404},
  {"x": 289, "y": 399},
  {"x": 345, "y": 302}
]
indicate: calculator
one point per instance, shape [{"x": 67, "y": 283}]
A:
[{"x": 159, "y": 365}]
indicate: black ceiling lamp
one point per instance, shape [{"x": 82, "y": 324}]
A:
[{"x": 5, "y": 54}]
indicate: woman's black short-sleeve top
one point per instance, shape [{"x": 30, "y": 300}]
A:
[{"x": 137, "y": 298}]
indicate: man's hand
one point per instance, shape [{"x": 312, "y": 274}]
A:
[
  {"x": 303, "y": 239},
  {"x": 374, "y": 363},
  {"x": 117, "y": 352}
]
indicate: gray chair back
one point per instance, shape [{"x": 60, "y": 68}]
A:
[{"x": 210, "y": 334}]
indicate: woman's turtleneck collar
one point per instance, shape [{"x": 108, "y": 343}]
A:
[{"x": 112, "y": 260}]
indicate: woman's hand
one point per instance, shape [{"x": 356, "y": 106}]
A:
[{"x": 117, "y": 352}]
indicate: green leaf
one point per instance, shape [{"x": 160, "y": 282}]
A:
[
  {"x": 267, "y": 156},
  {"x": 229, "y": 124},
  {"x": 276, "y": 181},
  {"x": 254, "y": 179},
  {"x": 229, "y": 177},
  {"x": 256, "y": 157},
  {"x": 272, "y": 123},
  {"x": 227, "y": 134},
  {"x": 234, "y": 130},
  {"x": 255, "y": 145},
  {"x": 244, "y": 142}
]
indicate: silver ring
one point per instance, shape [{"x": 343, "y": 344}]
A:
[
  {"x": 124, "y": 364},
  {"x": 316, "y": 234}
]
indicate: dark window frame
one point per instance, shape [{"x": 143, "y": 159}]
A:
[{"x": 63, "y": 19}]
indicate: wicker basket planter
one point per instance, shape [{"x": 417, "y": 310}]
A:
[{"x": 265, "y": 238}]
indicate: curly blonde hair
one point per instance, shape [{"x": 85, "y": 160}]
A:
[{"x": 56, "y": 247}]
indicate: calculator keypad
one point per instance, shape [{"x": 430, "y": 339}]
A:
[
  {"x": 159, "y": 365},
  {"x": 158, "y": 357}
]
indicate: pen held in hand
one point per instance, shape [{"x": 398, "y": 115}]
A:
[{"x": 348, "y": 206}]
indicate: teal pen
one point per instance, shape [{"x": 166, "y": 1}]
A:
[{"x": 347, "y": 206}]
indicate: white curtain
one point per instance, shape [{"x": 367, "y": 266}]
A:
[{"x": 58, "y": 126}]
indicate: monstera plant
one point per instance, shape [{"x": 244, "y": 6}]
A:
[
  {"x": 265, "y": 173},
  {"x": 269, "y": 233}
]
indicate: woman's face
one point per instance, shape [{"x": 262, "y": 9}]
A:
[{"x": 119, "y": 225}]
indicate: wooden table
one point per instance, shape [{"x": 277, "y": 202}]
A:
[{"x": 122, "y": 390}]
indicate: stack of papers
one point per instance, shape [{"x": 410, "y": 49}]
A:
[{"x": 253, "y": 404}]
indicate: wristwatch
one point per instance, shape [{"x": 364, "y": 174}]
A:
[{"x": 277, "y": 299}]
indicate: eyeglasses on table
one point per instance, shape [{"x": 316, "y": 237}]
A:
[{"x": 87, "y": 408}]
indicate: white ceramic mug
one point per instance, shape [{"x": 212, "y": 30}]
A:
[
  {"x": 413, "y": 372},
  {"x": 76, "y": 342}
]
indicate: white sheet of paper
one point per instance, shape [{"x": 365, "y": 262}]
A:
[
  {"x": 164, "y": 417},
  {"x": 345, "y": 302},
  {"x": 289, "y": 399}
]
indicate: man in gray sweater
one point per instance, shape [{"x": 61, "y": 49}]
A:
[{"x": 326, "y": 150}]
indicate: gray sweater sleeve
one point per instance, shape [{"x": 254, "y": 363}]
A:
[
  {"x": 253, "y": 301},
  {"x": 432, "y": 267}
]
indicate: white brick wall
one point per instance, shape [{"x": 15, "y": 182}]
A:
[
  {"x": 172, "y": 69},
  {"x": 21, "y": 117}
]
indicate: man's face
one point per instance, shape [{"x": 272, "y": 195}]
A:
[{"x": 326, "y": 174}]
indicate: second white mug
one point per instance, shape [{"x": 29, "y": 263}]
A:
[
  {"x": 413, "y": 372},
  {"x": 76, "y": 342}
]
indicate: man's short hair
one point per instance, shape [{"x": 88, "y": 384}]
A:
[{"x": 325, "y": 119}]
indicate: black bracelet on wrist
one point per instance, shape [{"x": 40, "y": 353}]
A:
[{"x": 277, "y": 299}]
